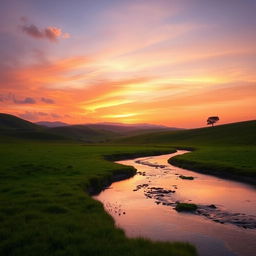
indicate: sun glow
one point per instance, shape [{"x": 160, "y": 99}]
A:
[
  {"x": 155, "y": 61},
  {"x": 121, "y": 115}
]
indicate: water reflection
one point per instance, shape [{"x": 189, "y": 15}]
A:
[{"x": 139, "y": 215}]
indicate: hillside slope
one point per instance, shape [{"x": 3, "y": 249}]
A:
[
  {"x": 13, "y": 127},
  {"x": 242, "y": 133},
  {"x": 14, "y": 123}
]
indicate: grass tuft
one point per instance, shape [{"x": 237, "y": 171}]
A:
[{"x": 184, "y": 207}]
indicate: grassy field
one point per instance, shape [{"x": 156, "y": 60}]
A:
[
  {"x": 45, "y": 208},
  {"x": 227, "y": 150},
  {"x": 45, "y": 205}
]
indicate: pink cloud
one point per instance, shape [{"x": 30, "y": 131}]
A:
[{"x": 51, "y": 33}]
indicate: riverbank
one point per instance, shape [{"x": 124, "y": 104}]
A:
[
  {"x": 227, "y": 151},
  {"x": 96, "y": 185},
  {"x": 217, "y": 161},
  {"x": 44, "y": 206}
]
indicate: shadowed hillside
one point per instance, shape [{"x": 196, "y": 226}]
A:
[
  {"x": 13, "y": 127},
  {"x": 12, "y": 122}
]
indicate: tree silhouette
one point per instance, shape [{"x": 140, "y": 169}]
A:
[{"x": 212, "y": 120}]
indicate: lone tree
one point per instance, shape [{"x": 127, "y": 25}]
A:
[{"x": 212, "y": 120}]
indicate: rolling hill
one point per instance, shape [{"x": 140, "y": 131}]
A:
[
  {"x": 242, "y": 133},
  {"x": 15, "y": 127},
  {"x": 12, "y": 127},
  {"x": 15, "y": 123}
]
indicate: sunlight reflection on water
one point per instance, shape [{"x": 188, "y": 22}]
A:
[{"x": 139, "y": 215}]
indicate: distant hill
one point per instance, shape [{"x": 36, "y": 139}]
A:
[
  {"x": 51, "y": 124},
  {"x": 113, "y": 127},
  {"x": 84, "y": 133},
  {"x": 12, "y": 126},
  {"x": 16, "y": 127},
  {"x": 241, "y": 133},
  {"x": 129, "y": 129}
]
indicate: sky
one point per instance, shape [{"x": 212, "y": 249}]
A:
[{"x": 168, "y": 62}]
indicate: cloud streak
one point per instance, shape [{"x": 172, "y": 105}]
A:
[
  {"x": 37, "y": 115},
  {"x": 12, "y": 98},
  {"x": 47, "y": 100},
  {"x": 27, "y": 100}
]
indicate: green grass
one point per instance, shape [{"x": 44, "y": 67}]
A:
[
  {"x": 186, "y": 177},
  {"x": 184, "y": 207},
  {"x": 227, "y": 150},
  {"x": 237, "y": 162},
  {"x": 45, "y": 208}
]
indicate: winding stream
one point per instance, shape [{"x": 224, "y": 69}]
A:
[{"x": 143, "y": 206}]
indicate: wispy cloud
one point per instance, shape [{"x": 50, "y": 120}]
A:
[
  {"x": 47, "y": 100},
  {"x": 27, "y": 100},
  {"x": 38, "y": 115},
  {"x": 12, "y": 98}
]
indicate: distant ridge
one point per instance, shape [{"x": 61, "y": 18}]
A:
[
  {"x": 104, "y": 129},
  {"x": 130, "y": 128},
  {"x": 142, "y": 125},
  {"x": 101, "y": 132},
  {"x": 52, "y": 124},
  {"x": 108, "y": 125}
]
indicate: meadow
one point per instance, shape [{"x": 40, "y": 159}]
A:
[{"x": 45, "y": 207}]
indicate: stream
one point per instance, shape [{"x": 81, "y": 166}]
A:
[{"x": 144, "y": 206}]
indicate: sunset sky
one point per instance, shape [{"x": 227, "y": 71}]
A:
[{"x": 162, "y": 62}]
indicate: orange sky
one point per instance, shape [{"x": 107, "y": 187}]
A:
[{"x": 163, "y": 62}]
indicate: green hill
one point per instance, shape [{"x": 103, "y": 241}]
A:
[
  {"x": 12, "y": 127},
  {"x": 242, "y": 133},
  {"x": 15, "y": 123}
]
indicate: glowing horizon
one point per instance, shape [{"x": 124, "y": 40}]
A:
[{"x": 163, "y": 62}]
